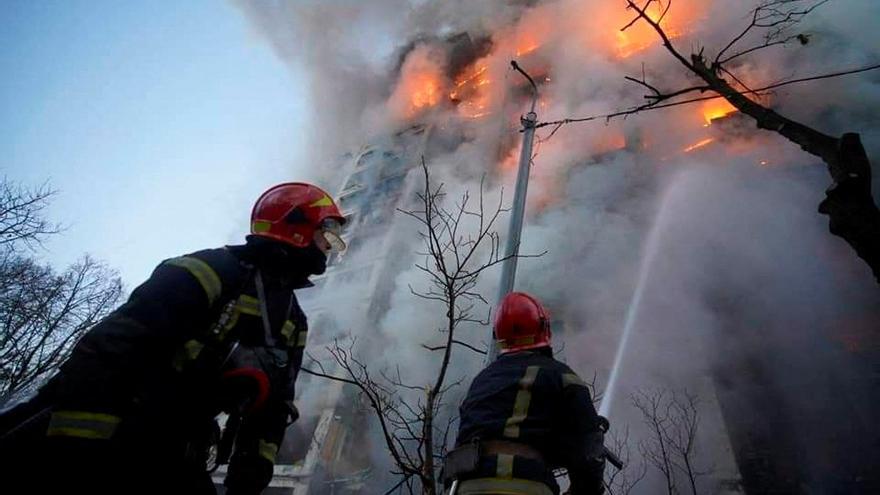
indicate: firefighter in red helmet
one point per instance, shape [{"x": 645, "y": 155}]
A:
[
  {"x": 525, "y": 415},
  {"x": 133, "y": 408}
]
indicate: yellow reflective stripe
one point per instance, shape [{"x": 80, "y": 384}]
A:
[
  {"x": 505, "y": 466},
  {"x": 521, "y": 404},
  {"x": 499, "y": 486},
  {"x": 287, "y": 331},
  {"x": 528, "y": 340},
  {"x": 572, "y": 379},
  {"x": 203, "y": 272},
  {"x": 86, "y": 416},
  {"x": 301, "y": 339},
  {"x": 192, "y": 349},
  {"x": 244, "y": 304},
  {"x": 63, "y": 431},
  {"x": 325, "y": 201},
  {"x": 268, "y": 451},
  {"x": 189, "y": 352},
  {"x": 260, "y": 226},
  {"x": 248, "y": 305},
  {"x": 82, "y": 424},
  {"x": 506, "y": 344}
]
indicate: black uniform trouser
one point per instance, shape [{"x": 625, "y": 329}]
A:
[
  {"x": 35, "y": 463},
  {"x": 87, "y": 466}
]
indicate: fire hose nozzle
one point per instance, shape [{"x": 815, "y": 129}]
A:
[{"x": 612, "y": 459}]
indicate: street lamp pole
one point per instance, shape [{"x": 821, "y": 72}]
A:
[{"x": 514, "y": 233}]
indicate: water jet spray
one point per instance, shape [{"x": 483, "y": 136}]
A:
[{"x": 648, "y": 254}]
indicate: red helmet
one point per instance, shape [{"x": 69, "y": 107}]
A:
[
  {"x": 521, "y": 323},
  {"x": 294, "y": 212}
]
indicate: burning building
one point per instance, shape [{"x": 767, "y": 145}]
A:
[{"x": 686, "y": 227}]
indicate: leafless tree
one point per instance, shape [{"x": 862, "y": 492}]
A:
[
  {"x": 460, "y": 243},
  {"x": 671, "y": 446},
  {"x": 42, "y": 312},
  {"x": 22, "y": 220},
  {"x": 849, "y": 204},
  {"x": 623, "y": 481}
]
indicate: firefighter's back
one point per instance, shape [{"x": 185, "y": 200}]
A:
[{"x": 513, "y": 411}]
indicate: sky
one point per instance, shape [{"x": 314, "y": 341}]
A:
[{"x": 159, "y": 123}]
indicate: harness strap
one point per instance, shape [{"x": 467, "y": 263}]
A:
[{"x": 264, "y": 309}]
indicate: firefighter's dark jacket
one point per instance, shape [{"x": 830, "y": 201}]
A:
[
  {"x": 532, "y": 399},
  {"x": 137, "y": 398}
]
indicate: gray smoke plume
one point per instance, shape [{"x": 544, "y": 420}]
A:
[{"x": 748, "y": 300}]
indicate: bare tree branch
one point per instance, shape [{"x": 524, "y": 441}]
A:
[
  {"x": 622, "y": 482},
  {"x": 643, "y": 108},
  {"x": 768, "y": 15},
  {"x": 459, "y": 244},
  {"x": 465, "y": 344},
  {"x": 21, "y": 215},
  {"x": 44, "y": 314},
  {"x": 673, "y": 421}
]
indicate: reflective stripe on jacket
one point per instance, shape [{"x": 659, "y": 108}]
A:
[
  {"x": 144, "y": 379},
  {"x": 530, "y": 398}
]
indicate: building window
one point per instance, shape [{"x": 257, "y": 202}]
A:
[
  {"x": 366, "y": 159},
  {"x": 356, "y": 179},
  {"x": 393, "y": 166},
  {"x": 351, "y": 218},
  {"x": 351, "y": 200}
]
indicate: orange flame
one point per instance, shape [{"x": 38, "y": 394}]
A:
[
  {"x": 426, "y": 91},
  {"x": 641, "y": 35},
  {"x": 471, "y": 91},
  {"x": 421, "y": 83},
  {"x": 602, "y": 24},
  {"x": 527, "y": 43},
  {"x": 715, "y": 109},
  {"x": 609, "y": 141},
  {"x": 533, "y": 30},
  {"x": 699, "y": 145}
]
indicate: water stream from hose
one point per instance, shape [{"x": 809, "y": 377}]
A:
[{"x": 649, "y": 252}]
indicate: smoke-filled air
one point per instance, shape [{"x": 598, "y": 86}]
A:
[{"x": 685, "y": 256}]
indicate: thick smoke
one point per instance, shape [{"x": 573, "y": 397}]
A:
[{"x": 743, "y": 269}]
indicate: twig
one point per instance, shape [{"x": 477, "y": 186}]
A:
[
  {"x": 465, "y": 344},
  {"x": 706, "y": 98}
]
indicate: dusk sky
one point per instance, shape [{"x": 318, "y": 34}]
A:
[{"x": 158, "y": 123}]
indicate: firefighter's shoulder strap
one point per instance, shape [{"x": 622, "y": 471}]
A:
[{"x": 264, "y": 309}]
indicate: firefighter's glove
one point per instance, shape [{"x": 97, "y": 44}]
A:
[{"x": 248, "y": 476}]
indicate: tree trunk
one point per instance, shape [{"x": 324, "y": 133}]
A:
[
  {"x": 853, "y": 215},
  {"x": 430, "y": 484},
  {"x": 851, "y": 210}
]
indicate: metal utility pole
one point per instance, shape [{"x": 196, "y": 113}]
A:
[{"x": 508, "y": 267}]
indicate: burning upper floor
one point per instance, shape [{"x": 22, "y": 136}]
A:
[{"x": 469, "y": 71}]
